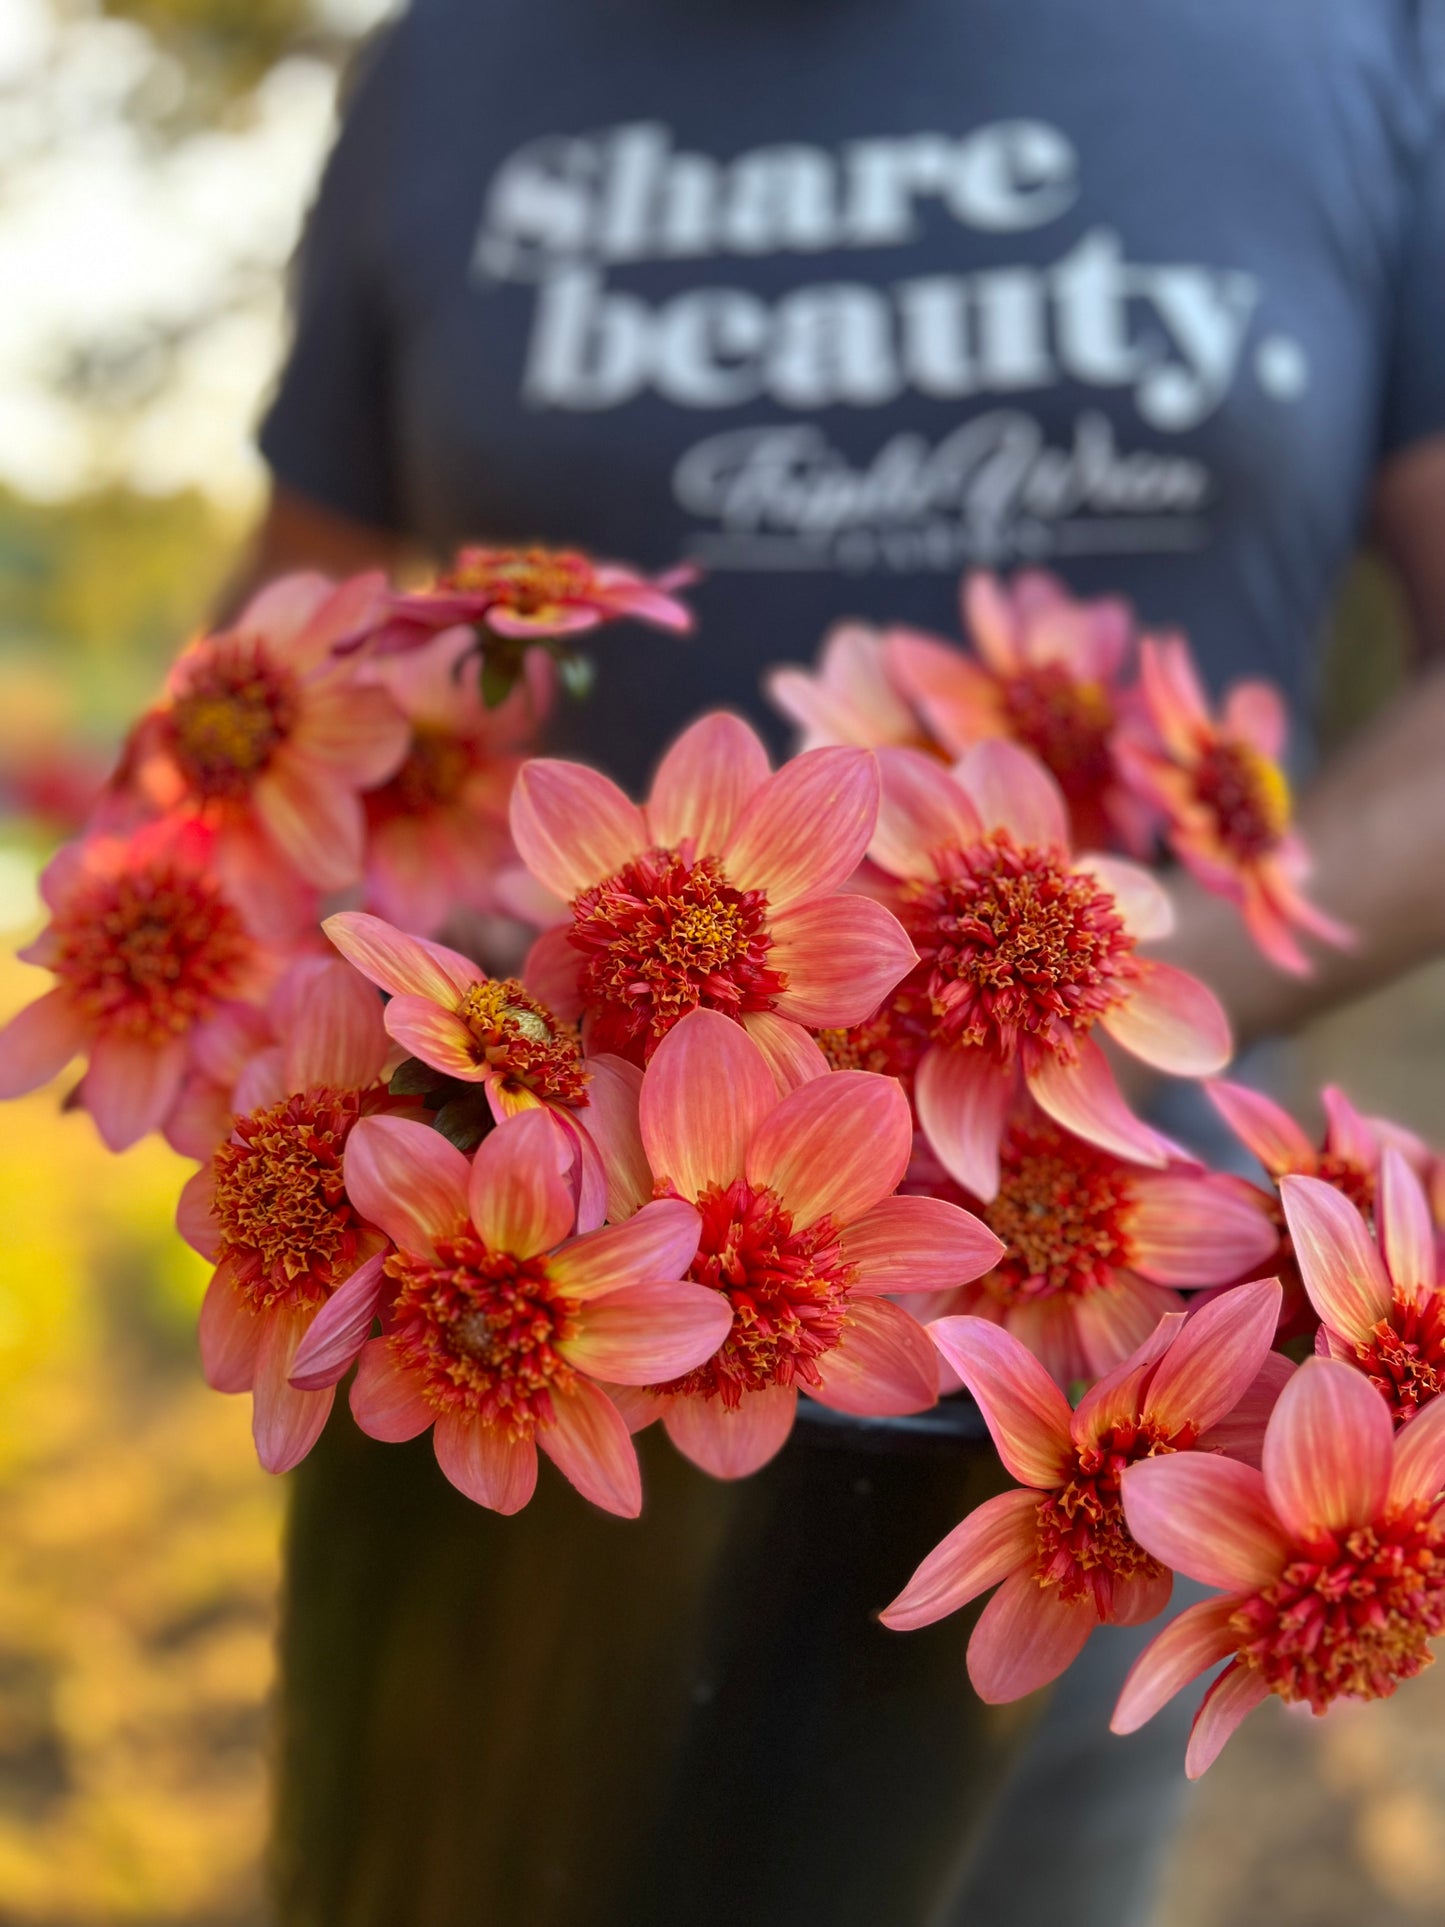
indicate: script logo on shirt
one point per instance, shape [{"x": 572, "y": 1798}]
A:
[{"x": 563, "y": 212}]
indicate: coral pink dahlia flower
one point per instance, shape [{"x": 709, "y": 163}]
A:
[
  {"x": 501, "y": 1321},
  {"x": 722, "y": 893},
  {"x": 1059, "y": 1544},
  {"x": 1023, "y": 948},
  {"x": 802, "y": 1239},
  {"x": 1332, "y": 1560},
  {"x": 849, "y": 697}
]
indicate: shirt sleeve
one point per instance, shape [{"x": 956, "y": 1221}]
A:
[
  {"x": 328, "y": 431},
  {"x": 1414, "y": 396}
]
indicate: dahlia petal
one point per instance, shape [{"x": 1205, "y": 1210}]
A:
[
  {"x": 921, "y": 810},
  {"x": 834, "y": 1147},
  {"x": 1026, "y": 1413},
  {"x": 805, "y": 831},
  {"x": 1237, "y": 1691},
  {"x": 1139, "y": 1598},
  {"x": 883, "y": 1366},
  {"x": 956, "y": 698},
  {"x": 195, "y": 1214},
  {"x": 1011, "y": 790},
  {"x": 403, "y": 965},
  {"x": 280, "y": 612},
  {"x": 386, "y": 1399},
  {"x": 351, "y": 608},
  {"x": 1139, "y": 896},
  {"x": 731, "y": 1443},
  {"x": 407, "y": 1179},
  {"x": 338, "y": 1038},
  {"x": 638, "y": 1404},
  {"x": 1406, "y": 1231},
  {"x": 962, "y": 1096},
  {"x": 1418, "y": 1474},
  {"x": 995, "y": 1539},
  {"x": 840, "y": 957},
  {"x": 648, "y": 1334},
  {"x": 1271, "y": 930},
  {"x": 1240, "y": 1433},
  {"x": 485, "y": 1464},
  {"x": 1116, "y": 1399},
  {"x": 1049, "y": 1327},
  {"x": 551, "y": 973},
  {"x": 355, "y": 732},
  {"x": 1114, "y": 1322},
  {"x": 589, "y": 1443},
  {"x": 658, "y": 1243},
  {"x": 438, "y": 1037},
  {"x": 589, "y": 1174},
  {"x": 1256, "y": 712},
  {"x": 793, "y": 1056},
  {"x": 706, "y": 1091},
  {"x": 704, "y": 781},
  {"x": 262, "y": 1082},
  {"x": 39, "y": 1042},
  {"x": 1173, "y": 1022},
  {"x": 610, "y": 1119},
  {"x": 918, "y": 1244},
  {"x": 314, "y": 821},
  {"x": 520, "y": 1189},
  {"x": 1271, "y": 1133},
  {"x": 572, "y": 827},
  {"x": 230, "y": 1336},
  {"x": 130, "y": 1087},
  {"x": 1085, "y": 1099},
  {"x": 336, "y": 1335},
  {"x": 1339, "y": 1261},
  {"x": 1215, "y": 1359},
  {"x": 1202, "y": 1229},
  {"x": 1174, "y": 694},
  {"x": 1199, "y": 1638},
  {"x": 989, "y": 617},
  {"x": 1025, "y": 1637},
  {"x": 285, "y": 1422},
  {"x": 1329, "y": 1450},
  {"x": 1207, "y": 1518}
]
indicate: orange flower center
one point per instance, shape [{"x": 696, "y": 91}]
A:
[
  {"x": 149, "y": 953},
  {"x": 665, "y": 935},
  {"x": 482, "y": 1328},
  {"x": 280, "y": 1200},
  {"x": 1063, "y": 1211},
  {"x": 1066, "y": 723},
  {"x": 1349, "y": 1615},
  {"x": 1084, "y": 1546},
  {"x": 528, "y": 581},
  {"x": 237, "y": 707},
  {"x": 527, "y": 1047},
  {"x": 1405, "y": 1353},
  {"x": 1014, "y": 944},
  {"x": 788, "y": 1289},
  {"x": 1246, "y": 795}
]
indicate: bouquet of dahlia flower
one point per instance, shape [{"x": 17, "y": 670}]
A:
[{"x": 799, "y": 1093}]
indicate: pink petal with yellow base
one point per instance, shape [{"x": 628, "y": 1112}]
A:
[
  {"x": 833, "y": 1148},
  {"x": 1199, "y": 1638},
  {"x": 130, "y": 1087},
  {"x": 840, "y": 956},
  {"x": 285, "y": 1422},
  {"x": 1172, "y": 1022},
  {"x": 484, "y": 1463},
  {"x": 918, "y": 1244},
  {"x": 1116, "y": 1399},
  {"x": 572, "y": 827},
  {"x": 1270, "y": 1132},
  {"x": 1113, "y": 1322},
  {"x": 589, "y": 1443},
  {"x": 611, "y": 1121},
  {"x": 793, "y": 1056},
  {"x": 400, "y": 964},
  {"x": 386, "y": 1400},
  {"x": 994, "y": 1540},
  {"x": 1011, "y": 790},
  {"x": 333, "y": 1341},
  {"x": 519, "y": 1191},
  {"x": 1027, "y": 1415},
  {"x": 1174, "y": 693},
  {"x": 230, "y": 1336},
  {"x": 648, "y": 1334},
  {"x": 731, "y": 1442},
  {"x": 1207, "y": 1518},
  {"x": 1198, "y": 1230},
  {"x": 921, "y": 810},
  {"x": 1085, "y": 1099},
  {"x": 806, "y": 830},
  {"x": 437, "y": 1036},
  {"x": 1339, "y": 1261},
  {"x": 1407, "y": 1232},
  {"x": 314, "y": 821},
  {"x": 708, "y": 1088},
  {"x": 1236, "y": 1693},
  {"x": 407, "y": 1179},
  {"x": 39, "y": 1042},
  {"x": 1417, "y": 1474},
  {"x": 659, "y": 1242},
  {"x": 1025, "y": 1637},
  {"x": 962, "y": 1097},
  {"x": 337, "y": 1037},
  {"x": 704, "y": 781},
  {"x": 1140, "y": 898},
  {"x": 1328, "y": 1454},
  {"x": 883, "y": 1366},
  {"x": 1215, "y": 1359}
]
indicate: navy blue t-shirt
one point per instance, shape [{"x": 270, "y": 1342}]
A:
[{"x": 839, "y": 299}]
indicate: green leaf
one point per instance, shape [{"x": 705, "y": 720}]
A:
[{"x": 465, "y": 1120}]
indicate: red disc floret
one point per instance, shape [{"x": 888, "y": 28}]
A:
[
  {"x": 527, "y": 1047},
  {"x": 1084, "y": 1546},
  {"x": 787, "y": 1286},
  {"x": 1066, "y": 723},
  {"x": 890, "y": 1043},
  {"x": 433, "y": 776},
  {"x": 235, "y": 708},
  {"x": 1245, "y": 794},
  {"x": 1062, "y": 1210},
  {"x": 482, "y": 1328},
  {"x": 526, "y": 580},
  {"x": 666, "y": 934},
  {"x": 1405, "y": 1353}
]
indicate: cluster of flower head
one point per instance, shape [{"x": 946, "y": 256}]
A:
[{"x": 797, "y": 1093}]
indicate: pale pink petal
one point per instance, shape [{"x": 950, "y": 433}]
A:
[
  {"x": 989, "y": 617},
  {"x": 1204, "y": 1229},
  {"x": 520, "y": 1189},
  {"x": 883, "y": 1366},
  {"x": 483, "y": 1462},
  {"x": 962, "y": 1096},
  {"x": 648, "y": 1334},
  {"x": 572, "y": 827},
  {"x": 1339, "y": 1261},
  {"x": 338, "y": 1038},
  {"x": 1026, "y": 1636},
  {"x": 589, "y": 1443},
  {"x": 1011, "y": 790},
  {"x": 918, "y": 1244},
  {"x": 1026, "y": 1413},
  {"x": 1237, "y": 1691},
  {"x": 285, "y": 1422},
  {"x": 39, "y": 1042},
  {"x": 280, "y": 612},
  {"x": 1329, "y": 1450},
  {"x": 340, "y": 1329},
  {"x": 1271, "y": 1133},
  {"x": 1256, "y": 711},
  {"x": 314, "y": 821},
  {"x": 922, "y": 811},
  {"x": 551, "y": 973},
  {"x": 230, "y": 1336},
  {"x": 1173, "y": 1022},
  {"x": 732, "y": 1442},
  {"x": 834, "y": 1147},
  {"x": 840, "y": 957},
  {"x": 386, "y": 1399},
  {"x": 706, "y": 1091},
  {"x": 407, "y": 1179},
  {"x": 438, "y": 1037},
  {"x": 1406, "y": 1231},
  {"x": 1418, "y": 1475},
  {"x": 1215, "y": 1359},
  {"x": 1199, "y": 1638},
  {"x": 402, "y": 965},
  {"x": 659, "y": 1242},
  {"x": 793, "y": 1056},
  {"x": 1207, "y": 1518},
  {"x": 614, "y": 1094},
  {"x": 1139, "y": 896},
  {"x": 995, "y": 1539},
  {"x": 130, "y": 1087},
  {"x": 1240, "y": 1433},
  {"x": 805, "y": 831},
  {"x": 195, "y": 1216},
  {"x": 1085, "y": 1099},
  {"x": 704, "y": 781}
]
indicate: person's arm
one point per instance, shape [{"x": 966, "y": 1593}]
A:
[{"x": 1374, "y": 819}]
